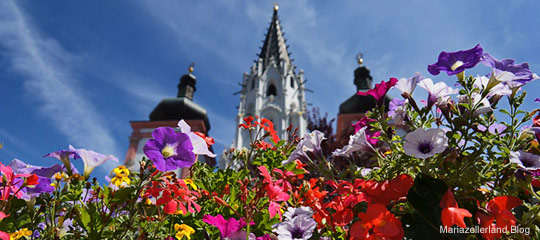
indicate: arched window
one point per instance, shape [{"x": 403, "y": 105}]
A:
[
  {"x": 271, "y": 90},
  {"x": 253, "y": 83},
  {"x": 292, "y": 82}
]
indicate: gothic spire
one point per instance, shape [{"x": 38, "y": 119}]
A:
[{"x": 274, "y": 46}]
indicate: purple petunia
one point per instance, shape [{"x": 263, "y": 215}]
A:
[
  {"x": 495, "y": 129},
  {"x": 299, "y": 228},
  {"x": 526, "y": 161},
  {"x": 310, "y": 143},
  {"x": 64, "y": 156},
  {"x": 455, "y": 62},
  {"x": 169, "y": 150},
  {"x": 437, "y": 93},
  {"x": 91, "y": 159},
  {"x": 357, "y": 142},
  {"x": 397, "y": 111},
  {"x": 513, "y": 75},
  {"x": 44, "y": 177}
]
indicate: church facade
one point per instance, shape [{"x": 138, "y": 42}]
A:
[{"x": 273, "y": 89}]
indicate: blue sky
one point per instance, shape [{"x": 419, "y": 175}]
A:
[{"x": 78, "y": 72}]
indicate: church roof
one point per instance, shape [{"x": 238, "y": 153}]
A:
[
  {"x": 357, "y": 103},
  {"x": 274, "y": 46},
  {"x": 181, "y": 107}
]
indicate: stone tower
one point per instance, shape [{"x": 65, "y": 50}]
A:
[{"x": 273, "y": 89}]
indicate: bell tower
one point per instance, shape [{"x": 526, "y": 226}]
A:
[{"x": 273, "y": 88}]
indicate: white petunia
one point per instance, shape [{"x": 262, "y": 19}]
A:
[{"x": 424, "y": 143}]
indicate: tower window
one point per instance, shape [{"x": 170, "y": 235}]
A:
[
  {"x": 253, "y": 83},
  {"x": 292, "y": 82},
  {"x": 271, "y": 90}
]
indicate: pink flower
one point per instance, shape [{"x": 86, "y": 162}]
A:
[
  {"x": 370, "y": 135},
  {"x": 380, "y": 90},
  {"x": 276, "y": 193}
]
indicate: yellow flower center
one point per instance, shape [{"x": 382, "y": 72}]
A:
[
  {"x": 168, "y": 151},
  {"x": 456, "y": 65}
]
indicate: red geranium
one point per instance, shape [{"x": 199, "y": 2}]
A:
[
  {"x": 376, "y": 223},
  {"x": 452, "y": 215},
  {"x": 498, "y": 209},
  {"x": 386, "y": 191}
]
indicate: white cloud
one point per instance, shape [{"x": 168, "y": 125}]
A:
[{"x": 49, "y": 77}]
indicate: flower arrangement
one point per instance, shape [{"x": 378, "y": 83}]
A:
[{"x": 458, "y": 172}]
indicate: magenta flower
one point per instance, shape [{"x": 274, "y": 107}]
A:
[
  {"x": 91, "y": 159},
  {"x": 455, "y": 62},
  {"x": 169, "y": 150},
  {"x": 537, "y": 100},
  {"x": 370, "y": 135},
  {"x": 230, "y": 228},
  {"x": 514, "y": 75},
  {"x": 380, "y": 90}
]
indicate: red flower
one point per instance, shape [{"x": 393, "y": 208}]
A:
[
  {"x": 209, "y": 140},
  {"x": 248, "y": 120},
  {"x": 380, "y": 90},
  {"x": 11, "y": 183},
  {"x": 376, "y": 223},
  {"x": 498, "y": 210},
  {"x": 174, "y": 195},
  {"x": 452, "y": 215},
  {"x": 536, "y": 121},
  {"x": 386, "y": 191}
]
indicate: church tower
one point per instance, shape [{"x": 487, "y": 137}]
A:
[
  {"x": 273, "y": 89},
  {"x": 167, "y": 114}
]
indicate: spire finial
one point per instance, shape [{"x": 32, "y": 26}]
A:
[
  {"x": 191, "y": 67},
  {"x": 276, "y": 7},
  {"x": 360, "y": 58}
]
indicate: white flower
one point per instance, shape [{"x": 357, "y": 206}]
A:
[
  {"x": 482, "y": 105},
  {"x": 357, "y": 142},
  {"x": 293, "y": 212},
  {"x": 422, "y": 143},
  {"x": 438, "y": 92},
  {"x": 481, "y": 82},
  {"x": 407, "y": 85},
  {"x": 199, "y": 145}
]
